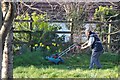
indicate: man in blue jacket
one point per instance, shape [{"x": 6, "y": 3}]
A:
[{"x": 97, "y": 48}]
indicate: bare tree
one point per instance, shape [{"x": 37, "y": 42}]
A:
[{"x": 7, "y": 10}]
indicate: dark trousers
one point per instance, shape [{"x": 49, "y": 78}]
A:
[{"x": 95, "y": 59}]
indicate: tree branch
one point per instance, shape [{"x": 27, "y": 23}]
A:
[
  {"x": 8, "y": 20},
  {"x": 115, "y": 32},
  {"x": 30, "y": 7}
]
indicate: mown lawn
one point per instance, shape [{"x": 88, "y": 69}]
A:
[{"x": 33, "y": 65}]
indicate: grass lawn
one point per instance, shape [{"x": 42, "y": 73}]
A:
[{"x": 33, "y": 65}]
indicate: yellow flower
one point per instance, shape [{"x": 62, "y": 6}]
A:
[
  {"x": 36, "y": 44},
  {"x": 54, "y": 44},
  {"x": 40, "y": 44},
  {"x": 48, "y": 47}
]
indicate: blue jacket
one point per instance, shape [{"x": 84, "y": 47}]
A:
[{"x": 97, "y": 45}]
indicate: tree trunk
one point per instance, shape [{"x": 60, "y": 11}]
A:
[
  {"x": 10, "y": 56},
  {"x": 5, "y": 58},
  {"x": 0, "y": 40},
  {"x": 7, "y": 66},
  {"x": 1, "y": 48},
  {"x": 1, "y": 17},
  {"x": 4, "y": 30}
]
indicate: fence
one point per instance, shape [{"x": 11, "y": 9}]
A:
[{"x": 108, "y": 43}]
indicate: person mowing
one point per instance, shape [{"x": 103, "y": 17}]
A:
[{"x": 97, "y": 48}]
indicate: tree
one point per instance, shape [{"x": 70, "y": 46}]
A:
[
  {"x": 109, "y": 14},
  {"x": 7, "y": 14},
  {"x": 75, "y": 12}
]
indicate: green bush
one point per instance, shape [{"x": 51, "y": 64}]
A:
[{"x": 43, "y": 35}]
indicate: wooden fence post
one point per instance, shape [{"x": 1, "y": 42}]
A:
[
  {"x": 72, "y": 32},
  {"x": 109, "y": 30},
  {"x": 30, "y": 24}
]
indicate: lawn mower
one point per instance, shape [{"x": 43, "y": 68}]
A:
[{"x": 56, "y": 58}]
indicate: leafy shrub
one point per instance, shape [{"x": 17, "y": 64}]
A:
[{"x": 42, "y": 34}]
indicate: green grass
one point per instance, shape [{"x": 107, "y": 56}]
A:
[{"x": 33, "y": 65}]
